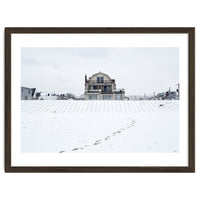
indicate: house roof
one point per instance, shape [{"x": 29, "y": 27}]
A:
[
  {"x": 28, "y": 88},
  {"x": 100, "y": 73}
]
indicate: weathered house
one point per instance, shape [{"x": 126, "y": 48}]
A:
[
  {"x": 169, "y": 95},
  {"x": 48, "y": 96},
  {"x": 28, "y": 93},
  {"x": 101, "y": 87}
]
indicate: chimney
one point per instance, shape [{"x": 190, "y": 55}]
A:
[{"x": 85, "y": 78}]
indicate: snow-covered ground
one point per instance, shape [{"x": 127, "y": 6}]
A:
[{"x": 57, "y": 126}]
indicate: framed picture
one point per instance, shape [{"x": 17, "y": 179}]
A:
[{"x": 99, "y": 99}]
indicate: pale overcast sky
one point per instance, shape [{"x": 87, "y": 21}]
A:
[{"x": 137, "y": 70}]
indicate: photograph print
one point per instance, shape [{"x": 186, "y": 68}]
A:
[{"x": 100, "y": 100}]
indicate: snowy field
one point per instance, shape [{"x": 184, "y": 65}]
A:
[{"x": 55, "y": 126}]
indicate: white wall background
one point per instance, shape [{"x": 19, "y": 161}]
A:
[{"x": 90, "y": 13}]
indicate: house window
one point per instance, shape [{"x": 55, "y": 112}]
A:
[
  {"x": 100, "y": 79},
  {"x": 106, "y": 97},
  {"x": 93, "y": 97},
  {"x": 93, "y": 87},
  {"x": 107, "y": 88},
  {"x": 118, "y": 97}
]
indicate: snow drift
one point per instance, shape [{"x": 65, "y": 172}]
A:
[{"x": 99, "y": 126}]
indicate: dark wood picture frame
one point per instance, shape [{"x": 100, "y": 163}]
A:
[{"x": 191, "y": 98}]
